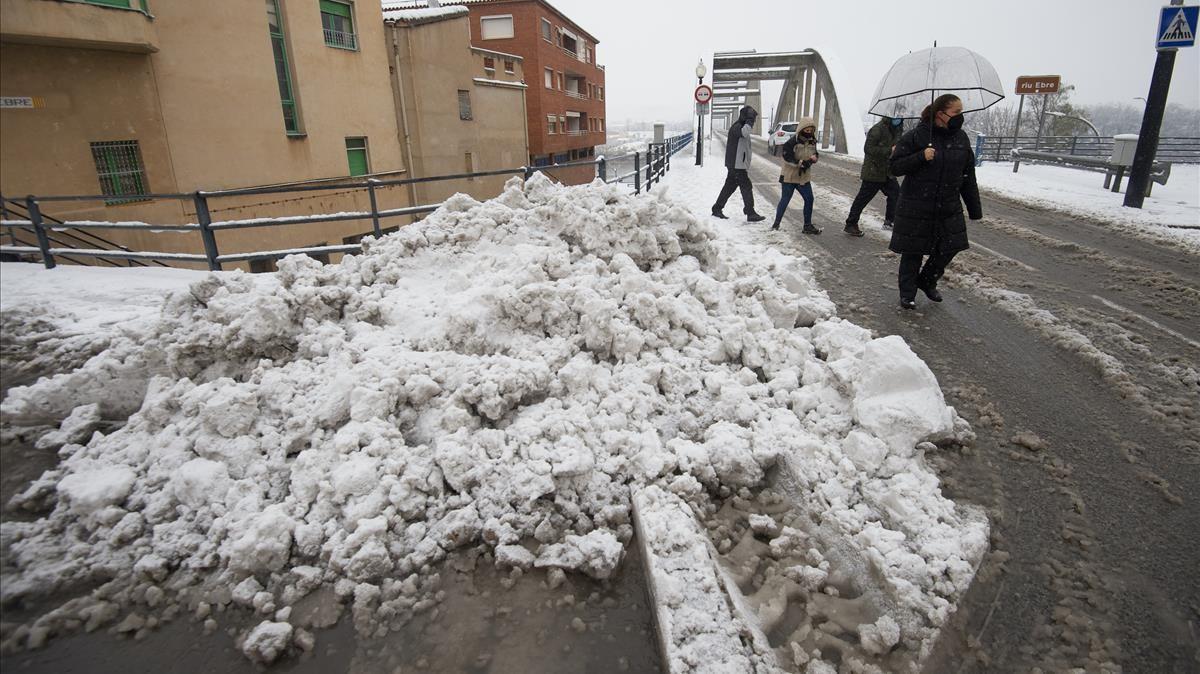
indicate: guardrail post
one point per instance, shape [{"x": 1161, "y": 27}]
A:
[
  {"x": 602, "y": 168},
  {"x": 649, "y": 165},
  {"x": 1074, "y": 142},
  {"x": 637, "y": 173},
  {"x": 206, "y": 234},
  {"x": 374, "y": 207},
  {"x": 35, "y": 216}
]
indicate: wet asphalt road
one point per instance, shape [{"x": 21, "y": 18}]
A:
[{"x": 1088, "y": 421}]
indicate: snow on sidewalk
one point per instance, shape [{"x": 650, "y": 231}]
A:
[
  {"x": 502, "y": 374},
  {"x": 1167, "y": 212}
]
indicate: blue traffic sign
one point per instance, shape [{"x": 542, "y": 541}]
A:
[{"x": 1177, "y": 26}]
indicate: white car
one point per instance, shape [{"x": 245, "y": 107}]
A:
[{"x": 779, "y": 136}]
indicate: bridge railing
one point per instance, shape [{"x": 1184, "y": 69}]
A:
[{"x": 1175, "y": 149}]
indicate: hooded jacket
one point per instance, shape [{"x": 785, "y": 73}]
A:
[
  {"x": 801, "y": 149},
  {"x": 737, "y": 147},
  {"x": 878, "y": 150}
]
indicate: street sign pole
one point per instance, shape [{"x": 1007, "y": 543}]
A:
[
  {"x": 700, "y": 130},
  {"x": 1156, "y": 105},
  {"x": 703, "y": 96}
]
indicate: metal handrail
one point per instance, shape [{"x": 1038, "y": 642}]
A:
[
  {"x": 657, "y": 164},
  {"x": 575, "y": 94}
]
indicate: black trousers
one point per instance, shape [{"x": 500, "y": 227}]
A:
[
  {"x": 736, "y": 179},
  {"x": 891, "y": 190},
  {"x": 913, "y": 275}
]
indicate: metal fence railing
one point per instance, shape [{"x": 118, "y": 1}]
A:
[
  {"x": 1175, "y": 149},
  {"x": 52, "y": 236}
]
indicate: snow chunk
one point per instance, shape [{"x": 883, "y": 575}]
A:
[
  {"x": 266, "y": 642},
  {"x": 90, "y": 490},
  {"x": 897, "y": 397},
  {"x": 74, "y": 429},
  {"x": 596, "y": 554}
]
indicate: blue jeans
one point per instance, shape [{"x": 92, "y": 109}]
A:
[{"x": 805, "y": 191}]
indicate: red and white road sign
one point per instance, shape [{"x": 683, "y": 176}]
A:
[{"x": 703, "y": 93}]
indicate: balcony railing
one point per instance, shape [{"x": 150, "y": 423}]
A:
[
  {"x": 336, "y": 38},
  {"x": 575, "y": 94},
  {"x": 576, "y": 132},
  {"x": 582, "y": 58}
]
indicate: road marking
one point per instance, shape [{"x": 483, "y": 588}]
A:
[
  {"x": 1149, "y": 321},
  {"x": 1002, "y": 256}
]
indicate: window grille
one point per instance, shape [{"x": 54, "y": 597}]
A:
[{"x": 120, "y": 169}]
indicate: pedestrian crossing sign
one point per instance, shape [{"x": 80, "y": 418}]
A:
[{"x": 1177, "y": 26}]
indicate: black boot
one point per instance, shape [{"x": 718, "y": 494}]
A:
[
  {"x": 810, "y": 229},
  {"x": 931, "y": 292},
  {"x": 716, "y": 212},
  {"x": 753, "y": 216},
  {"x": 908, "y": 303},
  {"x": 777, "y": 222}
]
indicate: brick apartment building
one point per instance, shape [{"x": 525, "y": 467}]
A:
[{"x": 565, "y": 99}]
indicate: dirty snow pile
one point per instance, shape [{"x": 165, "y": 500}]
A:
[{"x": 502, "y": 374}]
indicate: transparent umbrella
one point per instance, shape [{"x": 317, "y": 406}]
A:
[{"x": 917, "y": 78}]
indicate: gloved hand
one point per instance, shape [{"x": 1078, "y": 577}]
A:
[{"x": 805, "y": 164}]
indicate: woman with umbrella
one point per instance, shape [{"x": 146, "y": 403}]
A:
[
  {"x": 938, "y": 166},
  {"x": 935, "y": 158}
]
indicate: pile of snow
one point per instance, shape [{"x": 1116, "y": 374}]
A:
[{"x": 503, "y": 374}]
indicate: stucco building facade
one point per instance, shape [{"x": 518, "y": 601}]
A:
[{"x": 130, "y": 98}]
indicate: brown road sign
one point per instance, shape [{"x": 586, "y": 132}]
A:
[{"x": 1038, "y": 84}]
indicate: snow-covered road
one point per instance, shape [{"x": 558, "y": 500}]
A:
[{"x": 1072, "y": 347}]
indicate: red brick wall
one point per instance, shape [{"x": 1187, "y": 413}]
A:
[{"x": 539, "y": 55}]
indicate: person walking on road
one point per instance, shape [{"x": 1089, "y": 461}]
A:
[
  {"x": 938, "y": 166},
  {"x": 876, "y": 176},
  {"x": 738, "y": 153},
  {"x": 799, "y": 154}
]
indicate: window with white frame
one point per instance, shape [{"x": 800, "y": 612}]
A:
[
  {"x": 549, "y": 78},
  {"x": 496, "y": 27},
  {"x": 551, "y": 125},
  {"x": 547, "y": 31},
  {"x": 489, "y": 64},
  {"x": 510, "y": 67}
]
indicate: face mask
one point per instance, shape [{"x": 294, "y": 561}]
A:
[
  {"x": 955, "y": 123},
  {"x": 807, "y": 133},
  {"x": 897, "y": 122}
]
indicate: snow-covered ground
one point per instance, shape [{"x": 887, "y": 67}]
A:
[
  {"x": 1171, "y": 210},
  {"x": 508, "y": 375}
]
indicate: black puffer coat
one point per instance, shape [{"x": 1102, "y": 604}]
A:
[{"x": 933, "y": 192}]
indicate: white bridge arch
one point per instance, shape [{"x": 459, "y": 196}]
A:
[{"x": 812, "y": 84}]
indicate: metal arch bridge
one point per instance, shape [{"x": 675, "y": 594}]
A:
[{"x": 808, "y": 91}]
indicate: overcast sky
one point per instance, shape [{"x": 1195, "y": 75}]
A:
[{"x": 650, "y": 47}]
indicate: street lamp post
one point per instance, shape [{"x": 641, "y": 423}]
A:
[
  {"x": 701, "y": 71},
  {"x": 1063, "y": 115}
]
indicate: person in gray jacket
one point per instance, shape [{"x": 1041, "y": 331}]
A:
[{"x": 738, "y": 153}]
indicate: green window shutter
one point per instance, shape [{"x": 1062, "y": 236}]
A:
[
  {"x": 111, "y": 3},
  {"x": 356, "y": 156},
  {"x": 336, "y": 8}
]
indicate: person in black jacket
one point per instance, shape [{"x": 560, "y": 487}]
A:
[
  {"x": 738, "y": 153},
  {"x": 938, "y": 166}
]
